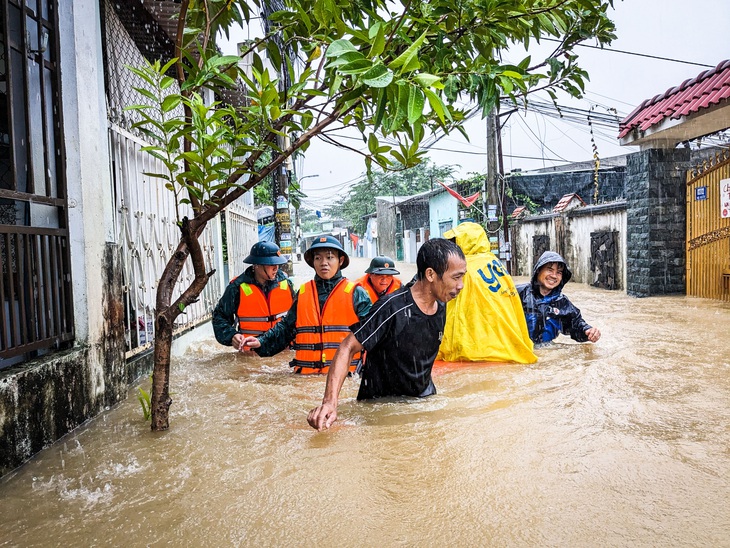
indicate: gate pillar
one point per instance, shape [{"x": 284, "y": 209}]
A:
[{"x": 655, "y": 221}]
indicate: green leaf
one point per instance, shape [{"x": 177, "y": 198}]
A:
[
  {"x": 358, "y": 66},
  {"x": 272, "y": 50},
  {"x": 380, "y": 108},
  {"x": 219, "y": 60},
  {"x": 379, "y": 43},
  {"x": 426, "y": 80},
  {"x": 171, "y": 102},
  {"x": 416, "y": 102},
  {"x": 404, "y": 59},
  {"x": 147, "y": 93},
  {"x": 166, "y": 82},
  {"x": 379, "y": 76},
  {"x": 340, "y": 47},
  {"x": 346, "y": 58},
  {"x": 512, "y": 74},
  {"x": 401, "y": 115},
  {"x": 436, "y": 104}
]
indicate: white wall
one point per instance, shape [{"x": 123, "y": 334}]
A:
[
  {"x": 575, "y": 244},
  {"x": 410, "y": 249},
  {"x": 91, "y": 215}
]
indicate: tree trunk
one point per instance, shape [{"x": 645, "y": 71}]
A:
[
  {"x": 160, "y": 397},
  {"x": 167, "y": 311}
]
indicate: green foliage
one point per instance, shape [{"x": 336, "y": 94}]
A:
[
  {"x": 396, "y": 71},
  {"x": 308, "y": 220},
  {"x": 522, "y": 199},
  {"x": 144, "y": 400},
  {"x": 360, "y": 200},
  {"x": 262, "y": 194}
]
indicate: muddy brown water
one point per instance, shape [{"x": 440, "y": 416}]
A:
[{"x": 621, "y": 443}]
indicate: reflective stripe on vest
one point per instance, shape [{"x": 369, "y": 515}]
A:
[
  {"x": 319, "y": 333},
  {"x": 257, "y": 313},
  {"x": 364, "y": 282}
]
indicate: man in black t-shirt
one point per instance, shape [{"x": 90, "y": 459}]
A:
[{"x": 401, "y": 334}]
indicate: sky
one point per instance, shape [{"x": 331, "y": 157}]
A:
[{"x": 681, "y": 30}]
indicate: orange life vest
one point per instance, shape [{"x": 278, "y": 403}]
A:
[
  {"x": 320, "y": 332},
  {"x": 367, "y": 286},
  {"x": 257, "y": 313}
]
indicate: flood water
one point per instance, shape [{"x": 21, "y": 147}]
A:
[{"x": 621, "y": 443}]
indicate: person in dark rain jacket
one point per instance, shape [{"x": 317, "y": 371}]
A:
[
  {"x": 255, "y": 300},
  {"x": 548, "y": 312},
  {"x": 321, "y": 314}
]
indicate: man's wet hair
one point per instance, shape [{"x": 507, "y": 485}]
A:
[
  {"x": 560, "y": 264},
  {"x": 435, "y": 254}
]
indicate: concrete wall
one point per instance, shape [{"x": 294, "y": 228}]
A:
[
  {"x": 570, "y": 235},
  {"x": 386, "y": 215},
  {"x": 442, "y": 208}
]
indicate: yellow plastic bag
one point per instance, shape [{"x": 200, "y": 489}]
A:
[{"x": 485, "y": 323}]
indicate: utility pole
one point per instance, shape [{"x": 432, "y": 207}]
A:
[
  {"x": 507, "y": 255},
  {"x": 282, "y": 218},
  {"x": 490, "y": 191}
]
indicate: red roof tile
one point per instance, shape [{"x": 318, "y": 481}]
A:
[
  {"x": 705, "y": 90},
  {"x": 519, "y": 210},
  {"x": 566, "y": 200}
]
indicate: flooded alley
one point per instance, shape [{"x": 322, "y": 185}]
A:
[{"x": 621, "y": 443}]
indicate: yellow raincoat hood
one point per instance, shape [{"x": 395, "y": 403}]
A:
[{"x": 485, "y": 323}]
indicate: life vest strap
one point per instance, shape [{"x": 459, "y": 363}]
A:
[
  {"x": 318, "y": 365},
  {"x": 259, "y": 318},
  {"x": 331, "y": 328},
  {"x": 254, "y": 332},
  {"x": 305, "y": 346},
  {"x": 323, "y": 329}
]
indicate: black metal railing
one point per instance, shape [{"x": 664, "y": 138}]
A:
[{"x": 35, "y": 288}]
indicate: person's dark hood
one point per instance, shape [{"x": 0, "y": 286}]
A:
[{"x": 551, "y": 257}]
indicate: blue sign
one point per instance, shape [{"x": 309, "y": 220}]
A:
[{"x": 701, "y": 193}]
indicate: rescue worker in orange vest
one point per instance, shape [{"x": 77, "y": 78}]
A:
[
  {"x": 379, "y": 278},
  {"x": 322, "y": 312},
  {"x": 256, "y": 300}
]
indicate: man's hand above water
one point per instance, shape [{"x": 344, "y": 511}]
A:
[{"x": 322, "y": 417}]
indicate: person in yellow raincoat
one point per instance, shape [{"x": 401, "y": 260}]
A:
[{"x": 485, "y": 323}]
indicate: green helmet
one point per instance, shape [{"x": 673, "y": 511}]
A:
[
  {"x": 266, "y": 253},
  {"x": 382, "y": 265},
  {"x": 325, "y": 242}
]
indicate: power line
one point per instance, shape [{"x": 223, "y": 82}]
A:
[
  {"x": 636, "y": 54},
  {"x": 482, "y": 153}
]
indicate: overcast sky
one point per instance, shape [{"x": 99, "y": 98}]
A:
[{"x": 697, "y": 31}]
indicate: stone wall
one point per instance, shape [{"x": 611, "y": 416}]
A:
[{"x": 655, "y": 219}]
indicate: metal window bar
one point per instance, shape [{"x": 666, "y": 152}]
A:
[
  {"x": 35, "y": 312},
  {"x": 148, "y": 235},
  {"x": 36, "y": 306}
]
